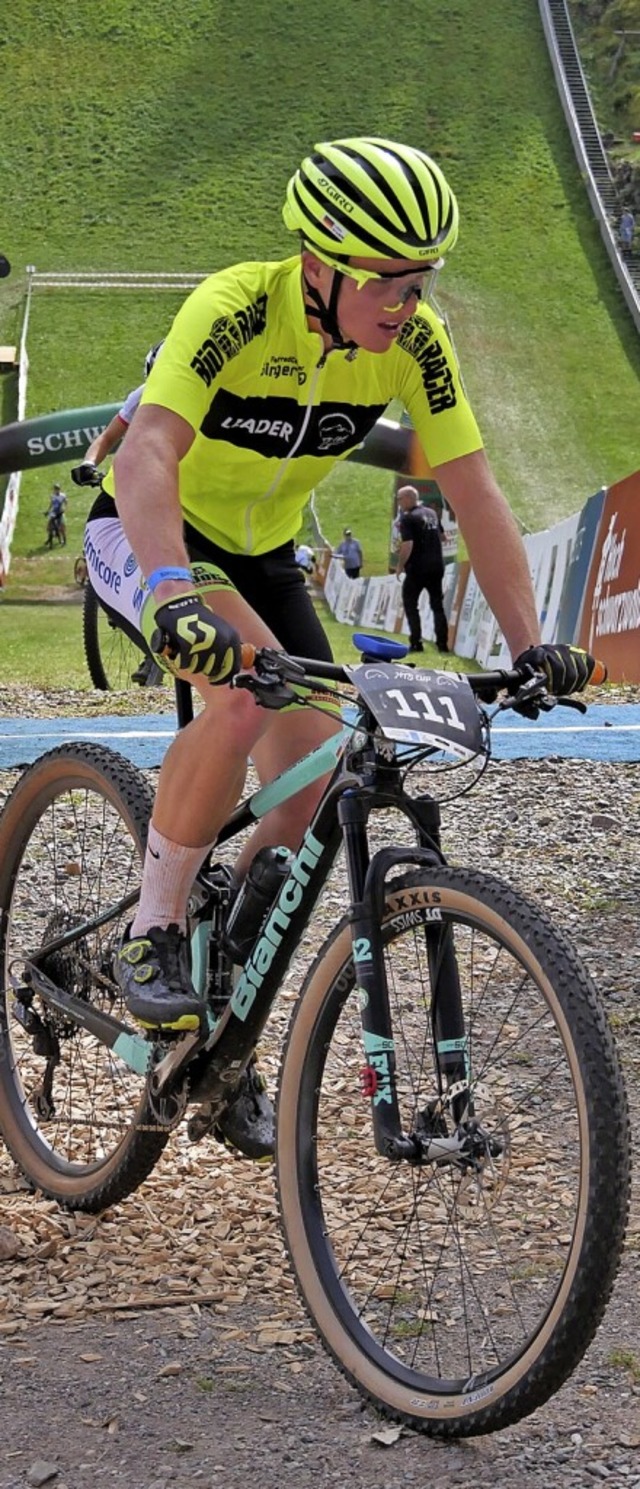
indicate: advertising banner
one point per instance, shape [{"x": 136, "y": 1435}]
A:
[
  {"x": 7, "y": 524},
  {"x": 473, "y": 611},
  {"x": 610, "y": 622},
  {"x": 52, "y": 437},
  {"x": 570, "y": 608},
  {"x": 461, "y": 571},
  {"x": 553, "y": 575},
  {"x": 67, "y": 433},
  {"x": 349, "y": 602}
]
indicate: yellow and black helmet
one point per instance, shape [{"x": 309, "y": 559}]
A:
[{"x": 371, "y": 198}]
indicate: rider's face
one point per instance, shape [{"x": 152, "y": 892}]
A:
[{"x": 372, "y": 314}]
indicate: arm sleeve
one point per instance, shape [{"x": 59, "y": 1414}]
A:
[
  {"x": 130, "y": 405},
  {"x": 432, "y": 390}
]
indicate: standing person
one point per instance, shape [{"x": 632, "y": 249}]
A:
[
  {"x": 192, "y": 538},
  {"x": 627, "y": 230},
  {"x": 56, "y": 525},
  {"x": 421, "y": 565},
  {"x": 86, "y": 473},
  {"x": 350, "y": 552}
]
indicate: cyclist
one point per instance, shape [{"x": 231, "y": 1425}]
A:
[
  {"x": 87, "y": 473},
  {"x": 270, "y": 373},
  {"x": 106, "y": 441},
  {"x": 56, "y": 523}
]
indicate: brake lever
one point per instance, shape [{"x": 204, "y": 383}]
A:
[
  {"x": 572, "y": 702},
  {"x": 269, "y": 661},
  {"x": 531, "y": 695},
  {"x": 269, "y": 692}
]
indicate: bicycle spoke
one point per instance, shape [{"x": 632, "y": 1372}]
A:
[
  {"x": 79, "y": 859},
  {"x": 449, "y": 1266}
]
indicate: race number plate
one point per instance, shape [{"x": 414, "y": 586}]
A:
[{"x": 419, "y": 707}]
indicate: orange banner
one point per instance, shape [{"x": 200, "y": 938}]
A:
[{"x": 610, "y": 623}]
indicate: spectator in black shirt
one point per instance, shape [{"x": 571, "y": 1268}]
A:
[{"x": 421, "y": 566}]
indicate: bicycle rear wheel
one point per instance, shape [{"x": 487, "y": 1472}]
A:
[
  {"x": 113, "y": 659},
  {"x": 457, "y": 1295},
  {"x": 72, "y": 1113}
]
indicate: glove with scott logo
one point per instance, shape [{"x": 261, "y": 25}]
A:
[
  {"x": 566, "y": 668},
  {"x": 190, "y": 638},
  {"x": 85, "y": 474}
]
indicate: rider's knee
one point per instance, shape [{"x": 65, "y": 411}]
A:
[{"x": 233, "y": 719}]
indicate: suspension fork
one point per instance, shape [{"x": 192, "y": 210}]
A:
[
  {"x": 447, "y": 1014},
  {"x": 371, "y": 982}
]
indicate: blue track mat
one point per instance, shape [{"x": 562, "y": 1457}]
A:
[{"x": 604, "y": 733}]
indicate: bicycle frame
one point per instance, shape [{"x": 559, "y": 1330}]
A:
[{"x": 359, "y": 784}]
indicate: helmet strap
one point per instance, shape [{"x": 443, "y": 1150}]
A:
[{"x": 328, "y": 314}]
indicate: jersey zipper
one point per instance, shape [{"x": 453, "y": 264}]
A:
[{"x": 289, "y": 456}]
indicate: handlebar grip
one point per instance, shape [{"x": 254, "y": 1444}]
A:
[
  {"x": 161, "y": 645},
  {"x": 247, "y": 654},
  {"x": 598, "y": 675}
]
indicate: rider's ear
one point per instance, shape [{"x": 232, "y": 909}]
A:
[{"x": 314, "y": 270}]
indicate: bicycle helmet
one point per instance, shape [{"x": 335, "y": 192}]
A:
[
  {"x": 371, "y": 198},
  {"x": 151, "y": 357}
]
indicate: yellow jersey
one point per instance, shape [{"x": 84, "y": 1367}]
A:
[{"x": 272, "y": 412}]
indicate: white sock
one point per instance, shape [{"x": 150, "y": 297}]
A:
[{"x": 169, "y": 872}]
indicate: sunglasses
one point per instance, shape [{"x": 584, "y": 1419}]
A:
[
  {"x": 363, "y": 276},
  {"x": 421, "y": 276}
]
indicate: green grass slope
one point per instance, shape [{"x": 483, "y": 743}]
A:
[{"x": 161, "y": 136}]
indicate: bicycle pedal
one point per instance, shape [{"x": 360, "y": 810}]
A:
[{"x": 201, "y": 1124}]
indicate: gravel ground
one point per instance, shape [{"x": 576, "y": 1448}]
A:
[{"x": 126, "y": 1359}]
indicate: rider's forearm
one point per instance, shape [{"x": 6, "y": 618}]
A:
[
  {"x": 151, "y": 517},
  {"x": 496, "y": 551},
  {"x": 104, "y": 443},
  {"x": 500, "y": 564},
  {"x": 146, "y": 494}
]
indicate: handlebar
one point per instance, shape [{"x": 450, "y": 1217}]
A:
[{"x": 507, "y": 680}]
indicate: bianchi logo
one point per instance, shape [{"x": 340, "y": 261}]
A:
[{"x": 334, "y": 430}]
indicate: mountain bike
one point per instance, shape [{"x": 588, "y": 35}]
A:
[
  {"x": 452, "y": 1135},
  {"x": 56, "y": 529}
]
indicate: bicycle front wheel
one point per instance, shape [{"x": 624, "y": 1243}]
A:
[
  {"x": 72, "y": 1113},
  {"x": 457, "y": 1294}
]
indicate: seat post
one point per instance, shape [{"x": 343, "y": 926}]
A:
[{"x": 184, "y": 702}]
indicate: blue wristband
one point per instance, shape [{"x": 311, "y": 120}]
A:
[{"x": 159, "y": 575}]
